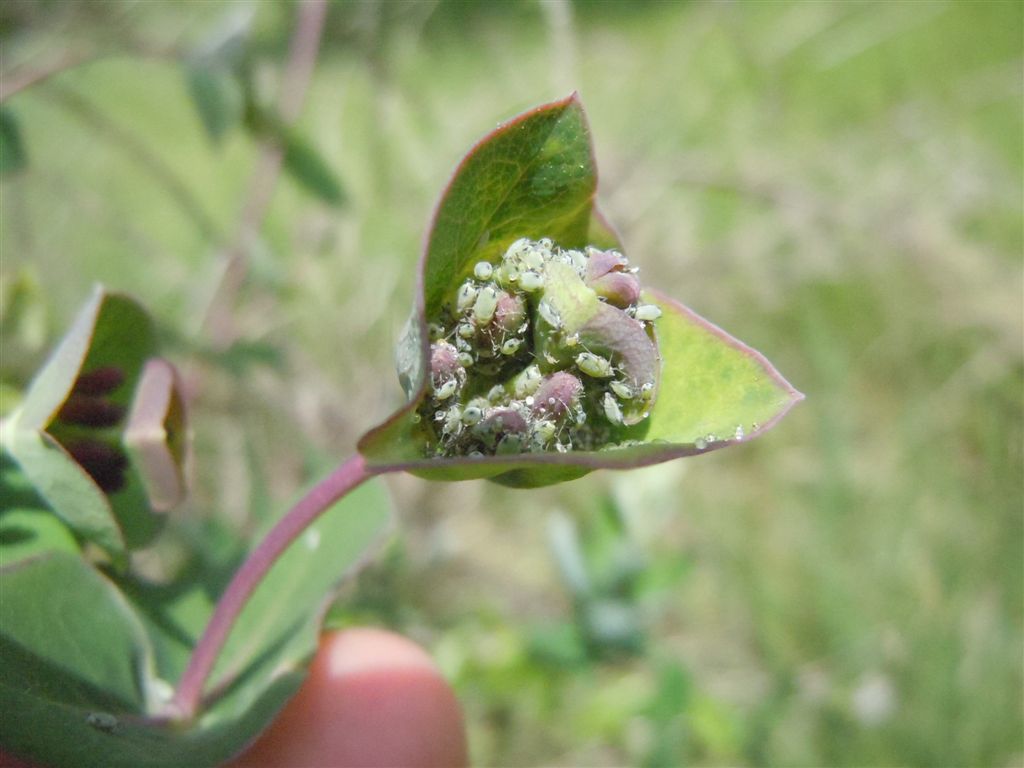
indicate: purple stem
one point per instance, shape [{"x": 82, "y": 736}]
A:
[{"x": 342, "y": 480}]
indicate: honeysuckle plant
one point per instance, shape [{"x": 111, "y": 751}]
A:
[{"x": 534, "y": 355}]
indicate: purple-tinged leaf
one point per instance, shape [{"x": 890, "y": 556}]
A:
[{"x": 155, "y": 435}]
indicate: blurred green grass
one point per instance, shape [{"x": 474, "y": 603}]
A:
[{"x": 838, "y": 184}]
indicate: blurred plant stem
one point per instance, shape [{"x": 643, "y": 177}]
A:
[{"x": 219, "y": 323}]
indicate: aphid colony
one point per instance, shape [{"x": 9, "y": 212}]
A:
[{"x": 510, "y": 374}]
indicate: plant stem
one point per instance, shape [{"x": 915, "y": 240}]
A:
[
  {"x": 324, "y": 494},
  {"x": 305, "y": 44}
]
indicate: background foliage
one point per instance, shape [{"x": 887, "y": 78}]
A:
[{"x": 837, "y": 184}]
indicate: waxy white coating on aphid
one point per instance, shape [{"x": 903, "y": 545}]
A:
[
  {"x": 593, "y": 365},
  {"x": 485, "y": 305},
  {"x": 511, "y": 346},
  {"x": 452, "y": 421},
  {"x": 549, "y": 313},
  {"x": 531, "y": 281},
  {"x": 647, "y": 312},
  {"x": 466, "y": 296},
  {"x": 446, "y": 390},
  {"x": 532, "y": 259},
  {"x": 471, "y": 415},
  {"x": 611, "y": 408},
  {"x": 483, "y": 270},
  {"x": 466, "y": 330},
  {"x": 527, "y": 382},
  {"x": 622, "y": 390},
  {"x": 518, "y": 248},
  {"x": 543, "y": 431}
]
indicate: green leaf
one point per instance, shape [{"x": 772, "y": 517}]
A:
[
  {"x": 104, "y": 707},
  {"x": 30, "y": 532},
  {"x": 13, "y": 157},
  {"x": 65, "y": 488},
  {"x": 69, "y": 637},
  {"x": 535, "y": 173},
  {"x": 307, "y": 166},
  {"x": 535, "y": 177},
  {"x": 66, "y": 435},
  {"x": 279, "y": 624},
  {"x": 217, "y": 95},
  {"x": 111, "y": 330},
  {"x": 300, "y": 159}
]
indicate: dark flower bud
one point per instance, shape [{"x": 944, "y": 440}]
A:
[
  {"x": 620, "y": 289},
  {"x": 510, "y": 313},
  {"x": 104, "y": 463},
  {"x": 88, "y": 411},
  {"x": 557, "y": 395}
]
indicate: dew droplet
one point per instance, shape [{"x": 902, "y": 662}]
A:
[
  {"x": 739, "y": 432},
  {"x": 700, "y": 444}
]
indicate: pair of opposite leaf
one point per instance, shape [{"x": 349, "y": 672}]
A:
[{"x": 534, "y": 354}]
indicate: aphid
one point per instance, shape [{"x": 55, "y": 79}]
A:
[
  {"x": 572, "y": 340},
  {"x": 471, "y": 415},
  {"x": 611, "y": 408},
  {"x": 453, "y": 421},
  {"x": 647, "y": 312},
  {"x": 593, "y": 365},
  {"x": 508, "y": 273},
  {"x": 511, "y": 346},
  {"x": 549, "y": 313},
  {"x": 647, "y": 391},
  {"x": 436, "y": 331},
  {"x": 527, "y": 382},
  {"x": 622, "y": 390},
  {"x": 533, "y": 259},
  {"x": 543, "y": 432},
  {"x": 518, "y": 248},
  {"x": 531, "y": 281},
  {"x": 446, "y": 390},
  {"x": 496, "y": 394},
  {"x": 466, "y": 296},
  {"x": 485, "y": 305},
  {"x": 466, "y": 330},
  {"x": 545, "y": 243},
  {"x": 483, "y": 270},
  {"x": 465, "y": 359},
  {"x": 462, "y": 345}
]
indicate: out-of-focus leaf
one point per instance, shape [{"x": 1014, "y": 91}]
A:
[
  {"x": 307, "y": 166},
  {"x": 110, "y": 332},
  {"x": 300, "y": 158},
  {"x": 67, "y": 636},
  {"x": 103, "y": 708},
  {"x": 217, "y": 95},
  {"x": 282, "y": 617},
  {"x": 155, "y": 434},
  {"x": 13, "y": 157},
  {"x": 67, "y": 435},
  {"x": 65, "y": 488},
  {"x": 30, "y": 532},
  {"x": 535, "y": 177}
]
